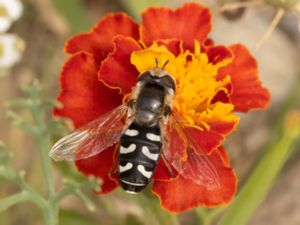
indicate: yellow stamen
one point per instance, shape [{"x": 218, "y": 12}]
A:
[{"x": 196, "y": 83}]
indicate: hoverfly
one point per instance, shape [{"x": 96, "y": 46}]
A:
[{"x": 146, "y": 129}]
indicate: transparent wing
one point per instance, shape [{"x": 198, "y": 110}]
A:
[
  {"x": 92, "y": 138},
  {"x": 196, "y": 165}
]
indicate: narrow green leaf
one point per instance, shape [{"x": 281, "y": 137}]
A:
[
  {"x": 259, "y": 183},
  {"x": 262, "y": 178},
  {"x": 20, "y": 122},
  {"x": 17, "y": 103}
]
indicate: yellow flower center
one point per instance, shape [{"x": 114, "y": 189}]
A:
[{"x": 196, "y": 84}]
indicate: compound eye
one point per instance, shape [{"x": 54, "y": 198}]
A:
[
  {"x": 146, "y": 76},
  {"x": 169, "y": 82}
]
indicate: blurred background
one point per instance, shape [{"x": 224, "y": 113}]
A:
[{"x": 38, "y": 39}]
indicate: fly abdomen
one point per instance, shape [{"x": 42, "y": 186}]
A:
[{"x": 139, "y": 152}]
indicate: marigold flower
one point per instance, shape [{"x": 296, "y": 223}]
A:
[{"x": 213, "y": 82}]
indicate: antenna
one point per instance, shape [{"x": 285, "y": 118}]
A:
[
  {"x": 165, "y": 64},
  {"x": 156, "y": 61}
]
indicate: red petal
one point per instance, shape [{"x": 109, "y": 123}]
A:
[
  {"x": 116, "y": 70},
  {"x": 181, "y": 194},
  {"x": 190, "y": 22},
  {"x": 173, "y": 45},
  {"x": 163, "y": 172},
  {"x": 246, "y": 89},
  {"x": 222, "y": 96},
  {"x": 225, "y": 157},
  {"x": 211, "y": 139},
  {"x": 176, "y": 148},
  {"x": 100, "y": 166},
  {"x": 208, "y": 140},
  {"x": 209, "y": 42},
  {"x": 83, "y": 96},
  {"x": 99, "y": 40},
  {"x": 217, "y": 54}
]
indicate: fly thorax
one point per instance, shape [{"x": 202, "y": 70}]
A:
[{"x": 150, "y": 104}]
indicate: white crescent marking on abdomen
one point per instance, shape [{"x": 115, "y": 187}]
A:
[
  {"x": 124, "y": 150},
  {"x": 153, "y": 137},
  {"x": 148, "y": 154},
  {"x": 128, "y": 166},
  {"x": 144, "y": 172},
  {"x": 132, "y": 132}
]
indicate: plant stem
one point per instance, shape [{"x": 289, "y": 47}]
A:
[
  {"x": 27, "y": 191},
  {"x": 50, "y": 210},
  {"x": 12, "y": 200},
  {"x": 41, "y": 138},
  {"x": 50, "y": 214},
  {"x": 43, "y": 146},
  {"x": 61, "y": 195},
  {"x": 40, "y": 129}
]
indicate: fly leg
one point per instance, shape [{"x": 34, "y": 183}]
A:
[{"x": 168, "y": 165}]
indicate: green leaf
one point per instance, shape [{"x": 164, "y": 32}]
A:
[
  {"x": 20, "y": 122},
  {"x": 17, "y": 103}
]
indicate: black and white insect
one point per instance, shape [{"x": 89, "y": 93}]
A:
[{"x": 147, "y": 130}]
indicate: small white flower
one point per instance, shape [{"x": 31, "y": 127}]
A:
[
  {"x": 11, "y": 48},
  {"x": 10, "y": 10}
]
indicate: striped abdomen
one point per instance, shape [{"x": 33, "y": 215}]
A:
[{"x": 139, "y": 152}]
